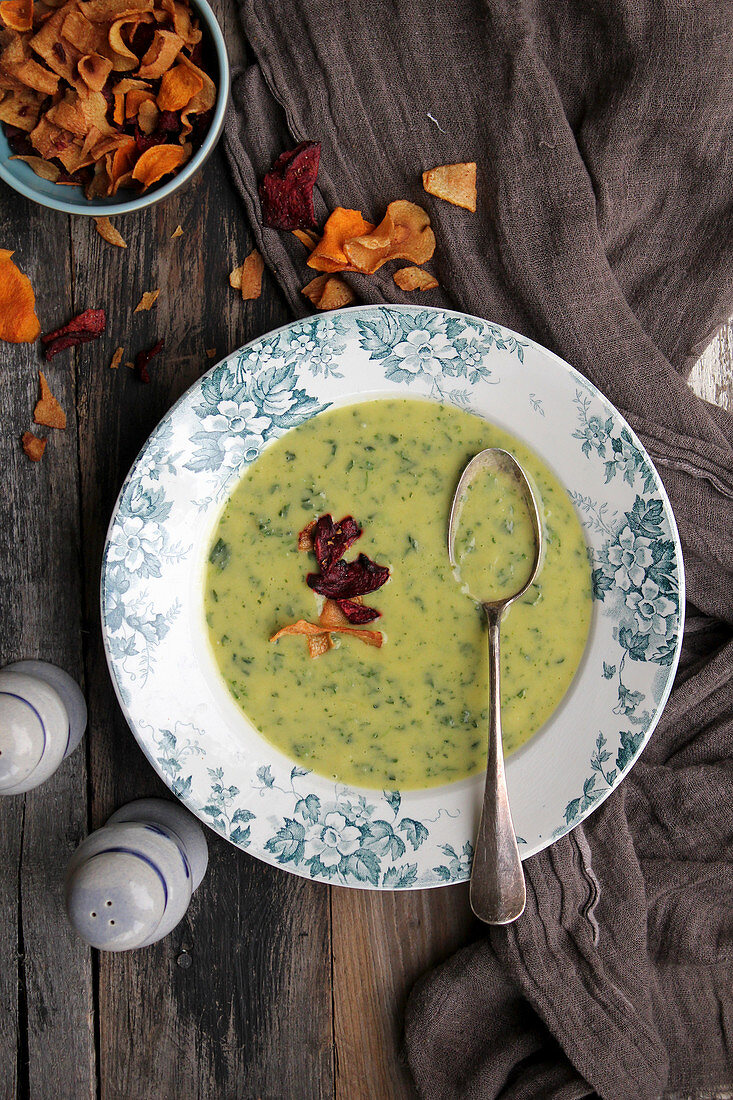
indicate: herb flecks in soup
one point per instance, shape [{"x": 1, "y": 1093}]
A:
[
  {"x": 494, "y": 548},
  {"x": 413, "y": 713}
]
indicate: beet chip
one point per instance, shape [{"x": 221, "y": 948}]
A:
[
  {"x": 143, "y": 358},
  {"x": 332, "y": 540},
  {"x": 344, "y": 580},
  {"x": 357, "y": 613},
  {"x": 81, "y": 329},
  {"x": 286, "y": 192}
]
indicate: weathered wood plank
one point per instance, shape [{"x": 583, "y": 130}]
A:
[
  {"x": 712, "y": 377},
  {"x": 237, "y": 1001},
  {"x": 46, "y": 1022},
  {"x": 382, "y": 943}
]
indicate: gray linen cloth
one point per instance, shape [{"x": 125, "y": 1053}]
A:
[{"x": 603, "y": 134}]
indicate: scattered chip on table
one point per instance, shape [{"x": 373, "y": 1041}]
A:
[
  {"x": 143, "y": 358},
  {"x": 455, "y": 183},
  {"x": 328, "y": 292},
  {"x": 286, "y": 191},
  {"x": 48, "y": 412},
  {"x": 18, "y": 321},
  {"x": 33, "y": 446},
  {"x": 415, "y": 278},
  {"x": 148, "y": 300},
  {"x": 211, "y": 353},
  {"x": 177, "y": 232},
  {"x": 86, "y": 326},
  {"x": 403, "y": 234},
  {"x": 110, "y": 234},
  {"x": 251, "y": 276},
  {"x": 117, "y": 358}
]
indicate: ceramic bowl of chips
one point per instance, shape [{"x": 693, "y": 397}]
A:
[{"x": 103, "y": 112}]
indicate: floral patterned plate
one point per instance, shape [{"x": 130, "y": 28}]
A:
[{"x": 152, "y": 602}]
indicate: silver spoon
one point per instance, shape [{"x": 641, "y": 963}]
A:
[{"x": 497, "y": 892}]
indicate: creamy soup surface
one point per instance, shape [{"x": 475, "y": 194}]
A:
[{"x": 413, "y": 713}]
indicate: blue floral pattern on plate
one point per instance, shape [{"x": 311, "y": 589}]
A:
[{"x": 177, "y": 706}]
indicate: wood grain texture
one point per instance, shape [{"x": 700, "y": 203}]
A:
[
  {"x": 46, "y": 1022},
  {"x": 712, "y": 376},
  {"x": 382, "y": 943}
]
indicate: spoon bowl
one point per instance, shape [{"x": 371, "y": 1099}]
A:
[{"x": 497, "y": 891}]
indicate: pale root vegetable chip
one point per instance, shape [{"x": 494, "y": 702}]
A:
[
  {"x": 48, "y": 412},
  {"x": 318, "y": 644},
  {"x": 94, "y": 70},
  {"x": 251, "y": 280},
  {"x": 164, "y": 49},
  {"x": 18, "y": 321},
  {"x": 109, "y": 233},
  {"x": 336, "y": 294},
  {"x": 313, "y": 630},
  {"x": 158, "y": 161},
  {"x": 414, "y": 278},
  {"x": 403, "y": 234},
  {"x": 177, "y": 232},
  {"x": 305, "y": 537},
  {"x": 33, "y": 446},
  {"x": 17, "y": 14},
  {"x": 455, "y": 183},
  {"x": 342, "y": 226},
  {"x": 117, "y": 358},
  {"x": 178, "y": 87},
  {"x": 46, "y": 169},
  {"x": 310, "y": 240},
  {"x": 148, "y": 300},
  {"x": 147, "y": 116}
]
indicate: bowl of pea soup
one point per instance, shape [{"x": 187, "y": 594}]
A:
[{"x": 311, "y": 679}]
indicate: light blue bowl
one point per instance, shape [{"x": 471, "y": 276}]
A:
[{"x": 71, "y": 200}]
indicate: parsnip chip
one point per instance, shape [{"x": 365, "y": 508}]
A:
[
  {"x": 313, "y": 630},
  {"x": 341, "y": 226},
  {"x": 235, "y": 277},
  {"x": 305, "y": 537},
  {"x": 251, "y": 281},
  {"x": 403, "y": 234},
  {"x": 314, "y": 289},
  {"x": 158, "y": 161},
  {"x": 117, "y": 359},
  {"x": 164, "y": 49},
  {"x": 94, "y": 70},
  {"x": 109, "y": 233},
  {"x": 147, "y": 115},
  {"x": 415, "y": 278},
  {"x": 148, "y": 300},
  {"x": 310, "y": 240},
  {"x": 33, "y": 446},
  {"x": 178, "y": 87},
  {"x": 17, "y": 14},
  {"x": 46, "y": 169},
  {"x": 18, "y": 321},
  {"x": 177, "y": 232},
  {"x": 336, "y": 294},
  {"x": 455, "y": 183},
  {"x": 48, "y": 412}
]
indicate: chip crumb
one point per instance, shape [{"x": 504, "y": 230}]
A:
[
  {"x": 455, "y": 183},
  {"x": 130, "y": 365},
  {"x": 48, "y": 412},
  {"x": 148, "y": 300},
  {"x": 33, "y": 446},
  {"x": 177, "y": 232},
  {"x": 415, "y": 278},
  {"x": 117, "y": 358},
  {"x": 235, "y": 277},
  {"x": 211, "y": 353},
  {"x": 252, "y": 268},
  {"x": 109, "y": 233}
]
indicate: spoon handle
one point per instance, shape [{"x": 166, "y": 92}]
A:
[{"x": 497, "y": 893}]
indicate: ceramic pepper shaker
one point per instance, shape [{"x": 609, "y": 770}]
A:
[
  {"x": 43, "y": 716},
  {"x": 130, "y": 883}
]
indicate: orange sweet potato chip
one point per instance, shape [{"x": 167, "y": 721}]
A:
[
  {"x": 178, "y": 87},
  {"x": 342, "y": 226},
  {"x": 48, "y": 412},
  {"x": 455, "y": 183},
  {"x": 148, "y": 300},
  {"x": 248, "y": 277},
  {"x": 177, "y": 232},
  {"x": 403, "y": 234},
  {"x": 310, "y": 240},
  {"x": 109, "y": 233},
  {"x": 18, "y": 321},
  {"x": 33, "y": 446},
  {"x": 414, "y": 278},
  {"x": 17, "y": 14},
  {"x": 157, "y": 162},
  {"x": 318, "y": 644},
  {"x": 117, "y": 358}
]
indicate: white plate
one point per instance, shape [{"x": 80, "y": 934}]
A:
[{"x": 152, "y": 604}]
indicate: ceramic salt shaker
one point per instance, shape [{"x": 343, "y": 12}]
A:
[
  {"x": 43, "y": 716},
  {"x": 130, "y": 883}
]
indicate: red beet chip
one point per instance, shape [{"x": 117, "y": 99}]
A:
[
  {"x": 143, "y": 358},
  {"x": 357, "y": 613},
  {"x": 91, "y": 322},
  {"x": 286, "y": 192},
  {"x": 332, "y": 540},
  {"x": 70, "y": 340},
  {"x": 344, "y": 580}
]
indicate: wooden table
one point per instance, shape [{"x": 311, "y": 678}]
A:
[{"x": 272, "y": 987}]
